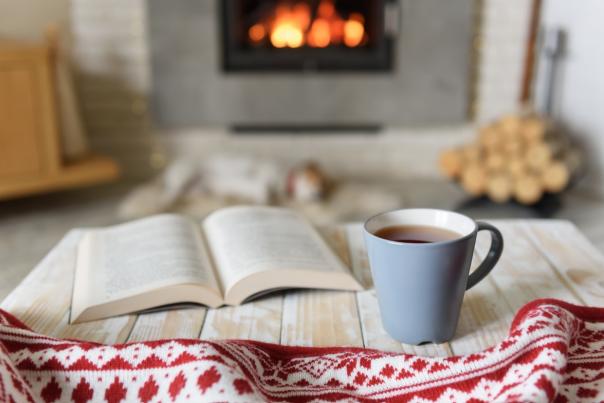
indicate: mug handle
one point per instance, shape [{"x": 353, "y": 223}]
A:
[{"x": 492, "y": 257}]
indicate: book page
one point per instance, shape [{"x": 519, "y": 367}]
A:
[
  {"x": 248, "y": 240},
  {"x": 154, "y": 252}
]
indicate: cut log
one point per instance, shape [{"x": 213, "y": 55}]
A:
[
  {"x": 472, "y": 153},
  {"x": 520, "y": 155},
  {"x": 528, "y": 189},
  {"x": 499, "y": 188},
  {"x": 474, "y": 179},
  {"x": 555, "y": 176},
  {"x": 489, "y": 138},
  {"x": 534, "y": 129},
  {"x": 451, "y": 163},
  {"x": 538, "y": 156},
  {"x": 495, "y": 162},
  {"x": 514, "y": 147},
  {"x": 516, "y": 167},
  {"x": 510, "y": 125}
]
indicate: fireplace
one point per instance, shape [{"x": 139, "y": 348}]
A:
[
  {"x": 310, "y": 35},
  {"x": 402, "y": 63}
]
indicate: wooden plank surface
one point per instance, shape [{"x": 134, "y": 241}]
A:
[
  {"x": 113, "y": 330},
  {"x": 319, "y": 317},
  {"x": 180, "y": 323},
  {"x": 42, "y": 299},
  {"x": 523, "y": 273},
  {"x": 540, "y": 259},
  {"x": 257, "y": 320},
  {"x": 579, "y": 265},
  {"x": 480, "y": 321}
]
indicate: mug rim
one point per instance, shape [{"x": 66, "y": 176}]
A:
[{"x": 421, "y": 245}]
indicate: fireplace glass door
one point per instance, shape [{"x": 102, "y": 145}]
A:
[{"x": 307, "y": 35}]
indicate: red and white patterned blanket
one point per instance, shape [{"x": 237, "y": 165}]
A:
[{"x": 554, "y": 351}]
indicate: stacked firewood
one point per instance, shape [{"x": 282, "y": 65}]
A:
[{"x": 515, "y": 157}]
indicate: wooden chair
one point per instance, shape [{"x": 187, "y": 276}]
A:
[{"x": 31, "y": 159}]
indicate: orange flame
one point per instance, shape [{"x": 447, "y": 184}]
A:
[
  {"x": 292, "y": 26},
  {"x": 320, "y": 34},
  {"x": 353, "y": 33}
]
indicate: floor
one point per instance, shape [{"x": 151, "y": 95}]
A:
[{"x": 30, "y": 227}]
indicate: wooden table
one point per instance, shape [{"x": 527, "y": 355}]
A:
[{"x": 541, "y": 259}]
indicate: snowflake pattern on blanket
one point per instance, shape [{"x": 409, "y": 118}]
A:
[{"x": 554, "y": 352}]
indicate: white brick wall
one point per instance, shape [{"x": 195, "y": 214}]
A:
[
  {"x": 505, "y": 29},
  {"x": 110, "y": 39},
  {"x": 111, "y": 59}
]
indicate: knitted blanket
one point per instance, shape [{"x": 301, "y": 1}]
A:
[{"x": 554, "y": 352}]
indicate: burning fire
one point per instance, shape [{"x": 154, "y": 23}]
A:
[{"x": 292, "y": 26}]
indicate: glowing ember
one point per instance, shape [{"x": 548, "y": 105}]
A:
[
  {"x": 293, "y": 26},
  {"x": 257, "y": 33}
]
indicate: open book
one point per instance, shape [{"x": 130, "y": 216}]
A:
[{"x": 232, "y": 256}]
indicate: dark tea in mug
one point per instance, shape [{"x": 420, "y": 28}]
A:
[{"x": 416, "y": 234}]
